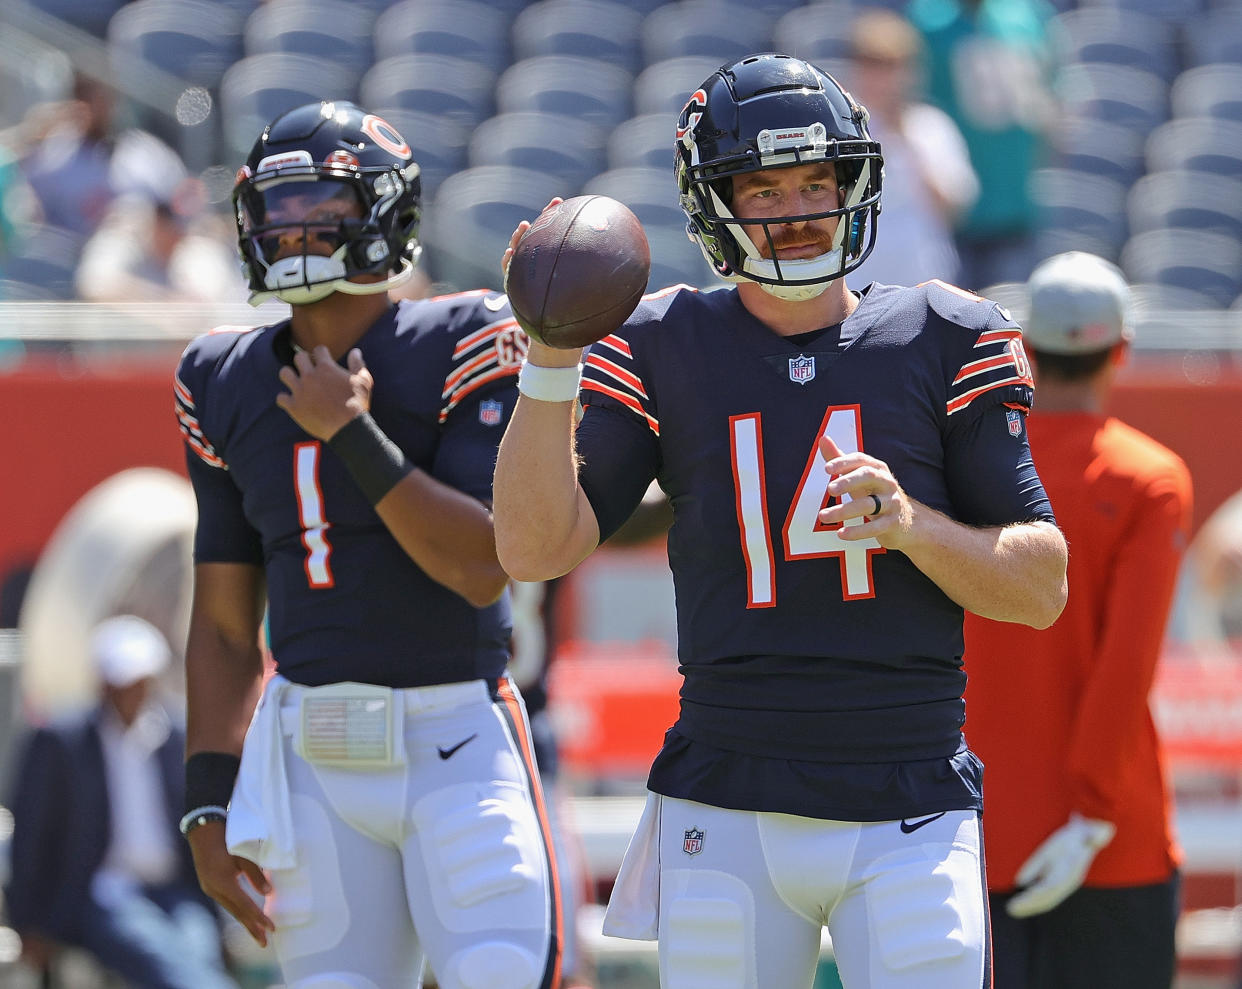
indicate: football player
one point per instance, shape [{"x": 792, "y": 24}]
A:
[
  {"x": 385, "y": 797},
  {"x": 848, "y": 472}
]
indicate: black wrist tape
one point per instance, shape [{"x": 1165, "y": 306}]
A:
[
  {"x": 375, "y": 461},
  {"x": 209, "y": 778}
]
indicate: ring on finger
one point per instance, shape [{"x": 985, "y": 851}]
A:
[{"x": 875, "y": 505}]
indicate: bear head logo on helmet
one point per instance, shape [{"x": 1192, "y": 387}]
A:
[{"x": 328, "y": 201}]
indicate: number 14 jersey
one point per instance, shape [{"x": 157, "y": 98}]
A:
[{"x": 795, "y": 644}]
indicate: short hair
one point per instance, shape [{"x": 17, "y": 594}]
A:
[
  {"x": 1070, "y": 367},
  {"x": 884, "y": 36}
]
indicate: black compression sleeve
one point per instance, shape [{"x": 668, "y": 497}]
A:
[{"x": 376, "y": 462}]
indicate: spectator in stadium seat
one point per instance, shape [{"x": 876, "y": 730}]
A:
[
  {"x": 988, "y": 67},
  {"x": 1082, "y": 861},
  {"x": 159, "y": 247},
  {"x": 928, "y": 178},
  {"x": 97, "y": 862},
  {"x": 77, "y": 157}
]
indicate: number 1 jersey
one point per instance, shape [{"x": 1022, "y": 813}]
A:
[{"x": 345, "y": 601}]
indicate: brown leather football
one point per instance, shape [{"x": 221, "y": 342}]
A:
[{"x": 579, "y": 271}]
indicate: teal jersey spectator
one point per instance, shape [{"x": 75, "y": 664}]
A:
[{"x": 988, "y": 67}]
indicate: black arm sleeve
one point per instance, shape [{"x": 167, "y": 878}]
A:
[
  {"x": 620, "y": 456},
  {"x": 991, "y": 475}
]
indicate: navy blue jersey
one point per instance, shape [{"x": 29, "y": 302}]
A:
[
  {"x": 839, "y": 653},
  {"x": 345, "y": 601}
]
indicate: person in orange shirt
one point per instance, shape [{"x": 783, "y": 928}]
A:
[{"x": 1081, "y": 858}]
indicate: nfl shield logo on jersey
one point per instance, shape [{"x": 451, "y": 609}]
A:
[
  {"x": 1014, "y": 418},
  {"x": 693, "y": 843},
  {"x": 801, "y": 369},
  {"x": 491, "y": 412}
]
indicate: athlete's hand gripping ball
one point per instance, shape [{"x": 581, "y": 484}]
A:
[{"x": 577, "y": 272}]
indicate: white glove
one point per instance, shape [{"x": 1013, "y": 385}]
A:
[{"x": 1059, "y": 865}]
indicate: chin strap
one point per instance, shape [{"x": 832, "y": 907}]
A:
[
  {"x": 824, "y": 267},
  {"x": 312, "y": 289}
]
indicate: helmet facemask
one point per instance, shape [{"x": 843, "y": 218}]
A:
[
  {"x": 714, "y": 146},
  {"x": 329, "y": 201}
]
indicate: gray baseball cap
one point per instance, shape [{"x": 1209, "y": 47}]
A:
[{"x": 1078, "y": 304}]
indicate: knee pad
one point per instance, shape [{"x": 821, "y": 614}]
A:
[
  {"x": 334, "y": 980},
  {"x": 926, "y": 911},
  {"x": 484, "y": 857},
  {"x": 705, "y": 933},
  {"x": 492, "y": 965}
]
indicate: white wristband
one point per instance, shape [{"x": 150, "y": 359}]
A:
[{"x": 550, "y": 384}]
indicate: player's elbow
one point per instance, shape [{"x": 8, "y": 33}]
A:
[
  {"x": 1049, "y": 590},
  {"x": 521, "y": 563},
  {"x": 1048, "y": 607},
  {"x": 483, "y": 587}
]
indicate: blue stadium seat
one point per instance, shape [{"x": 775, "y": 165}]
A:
[
  {"x": 651, "y": 194},
  {"x": 566, "y": 147},
  {"x": 86, "y": 15},
  {"x": 1083, "y": 203},
  {"x": 467, "y": 29},
  {"x": 458, "y": 88},
  {"x": 1174, "y": 13},
  {"x": 721, "y": 29},
  {"x": 439, "y": 142},
  {"x": 677, "y": 260},
  {"x": 336, "y": 31},
  {"x": 602, "y": 29},
  {"x": 1058, "y": 240},
  {"x": 597, "y": 92},
  {"x": 1204, "y": 262},
  {"x": 1120, "y": 37},
  {"x": 817, "y": 32},
  {"x": 1098, "y": 146},
  {"x": 1148, "y": 297},
  {"x": 666, "y": 86},
  {"x": 41, "y": 262},
  {"x": 1119, "y": 94},
  {"x": 1209, "y": 91},
  {"x": 257, "y": 88},
  {"x": 1215, "y": 37},
  {"x": 643, "y": 140},
  {"x": 1190, "y": 200},
  {"x": 195, "y": 40},
  {"x": 467, "y": 226},
  {"x": 1205, "y": 144}
]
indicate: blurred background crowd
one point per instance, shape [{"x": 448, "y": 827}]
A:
[{"x": 1012, "y": 130}]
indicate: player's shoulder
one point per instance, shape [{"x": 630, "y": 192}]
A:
[
  {"x": 206, "y": 354},
  {"x": 458, "y": 322},
  {"x": 453, "y": 311},
  {"x": 474, "y": 345},
  {"x": 954, "y": 307},
  {"x": 671, "y": 309}
]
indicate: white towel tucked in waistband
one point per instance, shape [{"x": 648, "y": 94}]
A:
[
  {"x": 260, "y": 825},
  {"x": 634, "y": 907}
]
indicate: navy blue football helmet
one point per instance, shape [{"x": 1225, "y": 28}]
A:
[
  {"x": 329, "y": 192},
  {"x": 775, "y": 111}
]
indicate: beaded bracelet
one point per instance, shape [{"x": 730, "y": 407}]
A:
[{"x": 201, "y": 815}]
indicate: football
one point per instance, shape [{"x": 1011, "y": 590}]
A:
[{"x": 579, "y": 271}]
